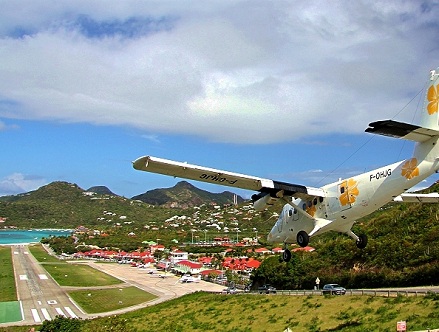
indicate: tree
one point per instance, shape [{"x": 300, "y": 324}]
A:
[{"x": 61, "y": 324}]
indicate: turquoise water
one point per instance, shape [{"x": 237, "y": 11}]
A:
[{"x": 29, "y": 236}]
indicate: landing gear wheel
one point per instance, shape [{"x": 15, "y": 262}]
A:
[
  {"x": 302, "y": 239},
  {"x": 286, "y": 255},
  {"x": 362, "y": 241}
]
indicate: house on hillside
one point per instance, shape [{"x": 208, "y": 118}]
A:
[
  {"x": 262, "y": 251},
  {"x": 277, "y": 250},
  {"x": 307, "y": 248}
]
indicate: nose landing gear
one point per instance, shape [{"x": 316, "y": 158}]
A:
[{"x": 286, "y": 255}]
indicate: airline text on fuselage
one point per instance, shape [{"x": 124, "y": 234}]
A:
[
  {"x": 380, "y": 175},
  {"x": 217, "y": 178}
]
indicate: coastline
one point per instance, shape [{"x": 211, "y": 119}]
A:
[{"x": 16, "y": 237}]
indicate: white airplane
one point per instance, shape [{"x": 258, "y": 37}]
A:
[{"x": 335, "y": 206}]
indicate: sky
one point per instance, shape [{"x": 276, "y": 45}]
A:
[{"x": 277, "y": 89}]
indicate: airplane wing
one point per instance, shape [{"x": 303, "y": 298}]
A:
[
  {"x": 401, "y": 130},
  {"x": 417, "y": 198},
  {"x": 225, "y": 178}
]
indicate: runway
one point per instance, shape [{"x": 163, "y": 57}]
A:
[{"x": 40, "y": 296}]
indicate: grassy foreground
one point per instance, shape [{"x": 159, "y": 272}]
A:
[
  {"x": 259, "y": 313},
  {"x": 202, "y": 312}
]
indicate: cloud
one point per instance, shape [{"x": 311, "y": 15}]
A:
[
  {"x": 233, "y": 72},
  {"x": 17, "y": 183}
]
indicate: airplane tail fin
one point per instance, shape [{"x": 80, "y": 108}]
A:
[
  {"x": 429, "y": 151},
  {"x": 430, "y": 112},
  {"x": 427, "y": 134}
]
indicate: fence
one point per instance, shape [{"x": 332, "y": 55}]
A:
[{"x": 358, "y": 292}]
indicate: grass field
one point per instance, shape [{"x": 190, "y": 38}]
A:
[
  {"x": 100, "y": 300},
  {"x": 42, "y": 256},
  {"x": 7, "y": 281},
  {"x": 77, "y": 275},
  {"x": 67, "y": 274}
]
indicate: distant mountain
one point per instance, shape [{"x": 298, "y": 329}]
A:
[
  {"x": 101, "y": 190},
  {"x": 184, "y": 195},
  {"x": 65, "y": 205}
]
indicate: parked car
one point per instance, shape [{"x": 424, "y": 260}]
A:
[
  {"x": 267, "y": 289},
  {"x": 230, "y": 290},
  {"x": 333, "y": 289}
]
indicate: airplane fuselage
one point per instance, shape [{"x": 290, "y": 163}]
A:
[{"x": 350, "y": 199}]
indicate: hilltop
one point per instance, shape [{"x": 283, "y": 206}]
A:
[
  {"x": 184, "y": 195},
  {"x": 101, "y": 190}
]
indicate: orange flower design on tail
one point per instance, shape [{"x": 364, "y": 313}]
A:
[
  {"x": 410, "y": 167},
  {"x": 432, "y": 96},
  {"x": 349, "y": 193}
]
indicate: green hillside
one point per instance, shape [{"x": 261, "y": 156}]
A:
[
  {"x": 65, "y": 205},
  {"x": 403, "y": 248}
]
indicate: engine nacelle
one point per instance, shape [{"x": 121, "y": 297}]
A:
[{"x": 262, "y": 201}]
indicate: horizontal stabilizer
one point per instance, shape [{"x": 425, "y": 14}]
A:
[
  {"x": 401, "y": 130},
  {"x": 224, "y": 178},
  {"x": 417, "y": 198}
]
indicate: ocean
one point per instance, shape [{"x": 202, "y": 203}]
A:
[{"x": 12, "y": 236}]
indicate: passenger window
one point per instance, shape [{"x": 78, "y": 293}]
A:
[
  {"x": 321, "y": 199},
  {"x": 341, "y": 190},
  {"x": 315, "y": 201},
  {"x": 304, "y": 206},
  {"x": 290, "y": 213}
]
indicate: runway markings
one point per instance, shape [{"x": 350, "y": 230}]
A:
[
  {"x": 23, "y": 277},
  {"x": 52, "y": 302},
  {"x": 42, "y": 276},
  {"x": 15, "y": 252},
  {"x": 70, "y": 312},
  {"x": 35, "y": 315},
  {"x": 26, "y": 252},
  {"x": 46, "y": 314},
  {"x": 60, "y": 312}
]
